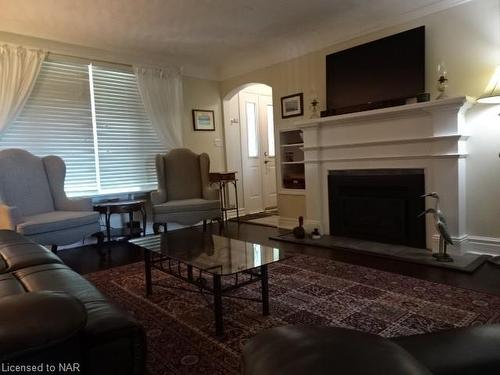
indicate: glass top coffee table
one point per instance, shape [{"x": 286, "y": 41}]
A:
[{"x": 215, "y": 264}]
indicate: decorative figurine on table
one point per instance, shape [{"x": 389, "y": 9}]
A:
[
  {"x": 299, "y": 232},
  {"x": 442, "y": 81},
  {"x": 441, "y": 227},
  {"x": 315, "y": 235}
]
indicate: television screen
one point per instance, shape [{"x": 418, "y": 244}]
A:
[{"x": 385, "y": 69}]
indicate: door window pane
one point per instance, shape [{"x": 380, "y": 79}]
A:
[
  {"x": 253, "y": 142},
  {"x": 270, "y": 131}
]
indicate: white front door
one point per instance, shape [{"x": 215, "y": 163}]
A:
[
  {"x": 268, "y": 157},
  {"x": 257, "y": 146}
]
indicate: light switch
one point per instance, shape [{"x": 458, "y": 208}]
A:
[{"x": 218, "y": 142}]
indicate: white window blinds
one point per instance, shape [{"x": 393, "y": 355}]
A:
[
  {"x": 127, "y": 143},
  {"x": 93, "y": 118},
  {"x": 56, "y": 120}
]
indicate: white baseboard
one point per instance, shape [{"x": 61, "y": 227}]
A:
[
  {"x": 483, "y": 245},
  {"x": 232, "y": 214},
  {"x": 472, "y": 244},
  {"x": 460, "y": 243}
]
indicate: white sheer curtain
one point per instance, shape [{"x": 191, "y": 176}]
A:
[
  {"x": 19, "y": 68},
  {"x": 161, "y": 92}
]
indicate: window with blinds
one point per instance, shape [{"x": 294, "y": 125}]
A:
[
  {"x": 57, "y": 120},
  {"x": 127, "y": 143},
  {"x": 92, "y": 117}
]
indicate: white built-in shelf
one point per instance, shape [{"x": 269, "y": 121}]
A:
[
  {"x": 293, "y": 145},
  {"x": 291, "y": 148}
]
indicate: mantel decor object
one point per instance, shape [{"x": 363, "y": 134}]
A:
[
  {"x": 299, "y": 232},
  {"x": 315, "y": 235},
  {"x": 292, "y": 105},
  {"x": 314, "y": 108},
  {"x": 441, "y": 227},
  {"x": 203, "y": 120},
  {"x": 442, "y": 81}
]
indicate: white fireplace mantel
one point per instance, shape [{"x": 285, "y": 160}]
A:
[{"x": 431, "y": 136}]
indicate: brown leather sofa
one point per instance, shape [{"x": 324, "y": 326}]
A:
[
  {"x": 305, "y": 350},
  {"x": 50, "y": 315}
]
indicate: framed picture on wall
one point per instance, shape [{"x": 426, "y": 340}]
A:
[
  {"x": 203, "y": 120},
  {"x": 292, "y": 105}
]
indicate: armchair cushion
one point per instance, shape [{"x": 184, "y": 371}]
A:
[
  {"x": 185, "y": 205},
  {"x": 56, "y": 220}
]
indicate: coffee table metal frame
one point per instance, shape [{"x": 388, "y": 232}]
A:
[{"x": 173, "y": 267}]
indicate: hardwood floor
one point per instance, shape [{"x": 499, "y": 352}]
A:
[{"x": 85, "y": 259}]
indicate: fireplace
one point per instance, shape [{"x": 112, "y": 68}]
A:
[{"x": 379, "y": 205}]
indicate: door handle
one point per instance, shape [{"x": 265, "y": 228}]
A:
[{"x": 266, "y": 161}]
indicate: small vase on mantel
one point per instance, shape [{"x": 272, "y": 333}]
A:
[
  {"x": 442, "y": 84},
  {"x": 314, "y": 107}
]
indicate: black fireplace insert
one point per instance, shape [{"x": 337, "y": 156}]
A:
[{"x": 378, "y": 205}]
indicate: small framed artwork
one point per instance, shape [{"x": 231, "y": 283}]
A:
[
  {"x": 203, "y": 120},
  {"x": 292, "y": 105}
]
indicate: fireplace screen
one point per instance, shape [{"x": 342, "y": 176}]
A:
[{"x": 379, "y": 205}]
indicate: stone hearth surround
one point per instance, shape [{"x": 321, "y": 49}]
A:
[{"x": 431, "y": 136}]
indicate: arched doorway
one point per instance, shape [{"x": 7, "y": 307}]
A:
[{"x": 249, "y": 134}]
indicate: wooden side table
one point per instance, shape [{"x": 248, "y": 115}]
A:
[
  {"x": 123, "y": 207},
  {"x": 225, "y": 179}
]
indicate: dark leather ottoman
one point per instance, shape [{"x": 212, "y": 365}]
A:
[{"x": 50, "y": 314}]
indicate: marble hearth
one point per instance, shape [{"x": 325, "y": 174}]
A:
[{"x": 430, "y": 136}]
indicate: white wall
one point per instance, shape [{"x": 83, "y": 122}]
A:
[{"x": 204, "y": 94}]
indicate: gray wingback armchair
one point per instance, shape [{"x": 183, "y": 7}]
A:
[
  {"x": 184, "y": 194},
  {"x": 33, "y": 201}
]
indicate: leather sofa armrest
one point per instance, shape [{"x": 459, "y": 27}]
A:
[
  {"x": 38, "y": 320},
  {"x": 459, "y": 351},
  {"x": 300, "y": 349},
  {"x": 9, "y": 217}
]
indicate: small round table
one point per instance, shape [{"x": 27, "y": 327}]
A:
[{"x": 123, "y": 207}]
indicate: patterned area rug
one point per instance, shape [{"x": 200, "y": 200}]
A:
[{"x": 303, "y": 290}]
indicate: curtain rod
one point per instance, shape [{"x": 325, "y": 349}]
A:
[{"x": 85, "y": 58}]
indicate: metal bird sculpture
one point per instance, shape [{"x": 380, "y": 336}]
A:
[{"x": 441, "y": 227}]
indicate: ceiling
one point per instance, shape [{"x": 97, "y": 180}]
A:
[{"x": 225, "y": 37}]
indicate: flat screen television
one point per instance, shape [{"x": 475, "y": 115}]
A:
[{"x": 377, "y": 74}]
